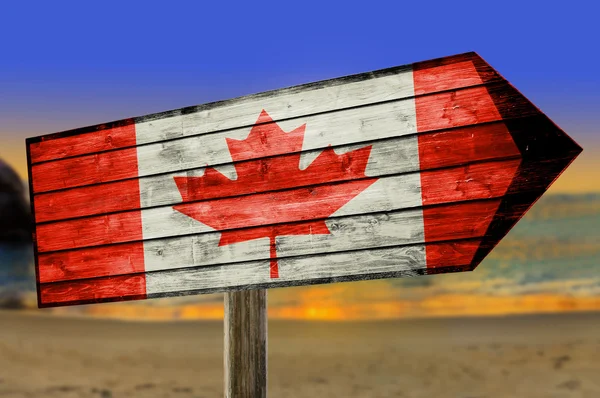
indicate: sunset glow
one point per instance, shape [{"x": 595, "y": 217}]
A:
[{"x": 450, "y": 305}]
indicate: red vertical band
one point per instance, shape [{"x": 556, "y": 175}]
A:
[
  {"x": 59, "y": 268},
  {"x": 461, "y": 110}
]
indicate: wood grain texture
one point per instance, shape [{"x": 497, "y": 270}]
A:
[
  {"x": 94, "y": 262},
  {"x": 94, "y": 231},
  {"x": 458, "y": 221},
  {"x": 405, "y": 260},
  {"x": 386, "y": 157},
  {"x": 476, "y": 181},
  {"x": 437, "y": 111},
  {"x": 165, "y": 221},
  {"x": 438, "y": 73},
  {"x": 345, "y": 127},
  {"x": 118, "y": 288},
  {"x": 445, "y": 77},
  {"x": 85, "y": 170},
  {"x": 473, "y": 181},
  {"x": 443, "y": 223},
  {"x": 93, "y": 139},
  {"x": 87, "y": 201},
  {"x": 246, "y": 344},
  {"x": 389, "y": 157},
  {"x": 465, "y": 145},
  {"x": 455, "y": 108},
  {"x": 451, "y": 254}
]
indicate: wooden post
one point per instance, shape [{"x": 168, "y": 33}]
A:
[{"x": 246, "y": 344}]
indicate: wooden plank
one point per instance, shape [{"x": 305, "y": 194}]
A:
[
  {"x": 92, "y": 262},
  {"x": 296, "y": 270},
  {"x": 246, "y": 344},
  {"x": 85, "y": 170},
  {"x": 445, "y": 77},
  {"x": 458, "y": 221},
  {"x": 93, "y": 231},
  {"x": 391, "y": 262},
  {"x": 342, "y": 234},
  {"x": 116, "y": 288},
  {"x": 475, "y": 181},
  {"x": 89, "y": 140},
  {"x": 87, "y": 201},
  {"x": 408, "y": 259},
  {"x": 455, "y": 108},
  {"x": 465, "y": 145},
  {"x": 438, "y": 74},
  {"x": 448, "y": 254},
  {"x": 390, "y": 156}
]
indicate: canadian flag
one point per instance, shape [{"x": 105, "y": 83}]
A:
[{"x": 398, "y": 172}]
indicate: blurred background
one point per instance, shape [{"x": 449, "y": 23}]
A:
[{"x": 525, "y": 323}]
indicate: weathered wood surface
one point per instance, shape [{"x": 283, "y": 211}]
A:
[
  {"x": 416, "y": 170},
  {"x": 246, "y": 344},
  {"x": 462, "y": 107},
  {"x": 345, "y": 233},
  {"x": 397, "y": 261},
  {"x": 474, "y": 181},
  {"x": 388, "y": 157}
]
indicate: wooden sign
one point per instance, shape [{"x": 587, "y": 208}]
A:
[{"x": 406, "y": 171}]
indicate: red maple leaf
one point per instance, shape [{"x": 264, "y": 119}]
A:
[{"x": 271, "y": 194}]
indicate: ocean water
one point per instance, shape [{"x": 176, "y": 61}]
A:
[{"x": 17, "y": 275}]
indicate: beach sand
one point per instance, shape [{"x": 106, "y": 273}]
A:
[{"x": 524, "y": 356}]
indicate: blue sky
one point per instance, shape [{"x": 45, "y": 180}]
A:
[
  {"x": 65, "y": 65},
  {"x": 94, "y": 62}
]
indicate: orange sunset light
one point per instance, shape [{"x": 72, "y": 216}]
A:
[{"x": 438, "y": 306}]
